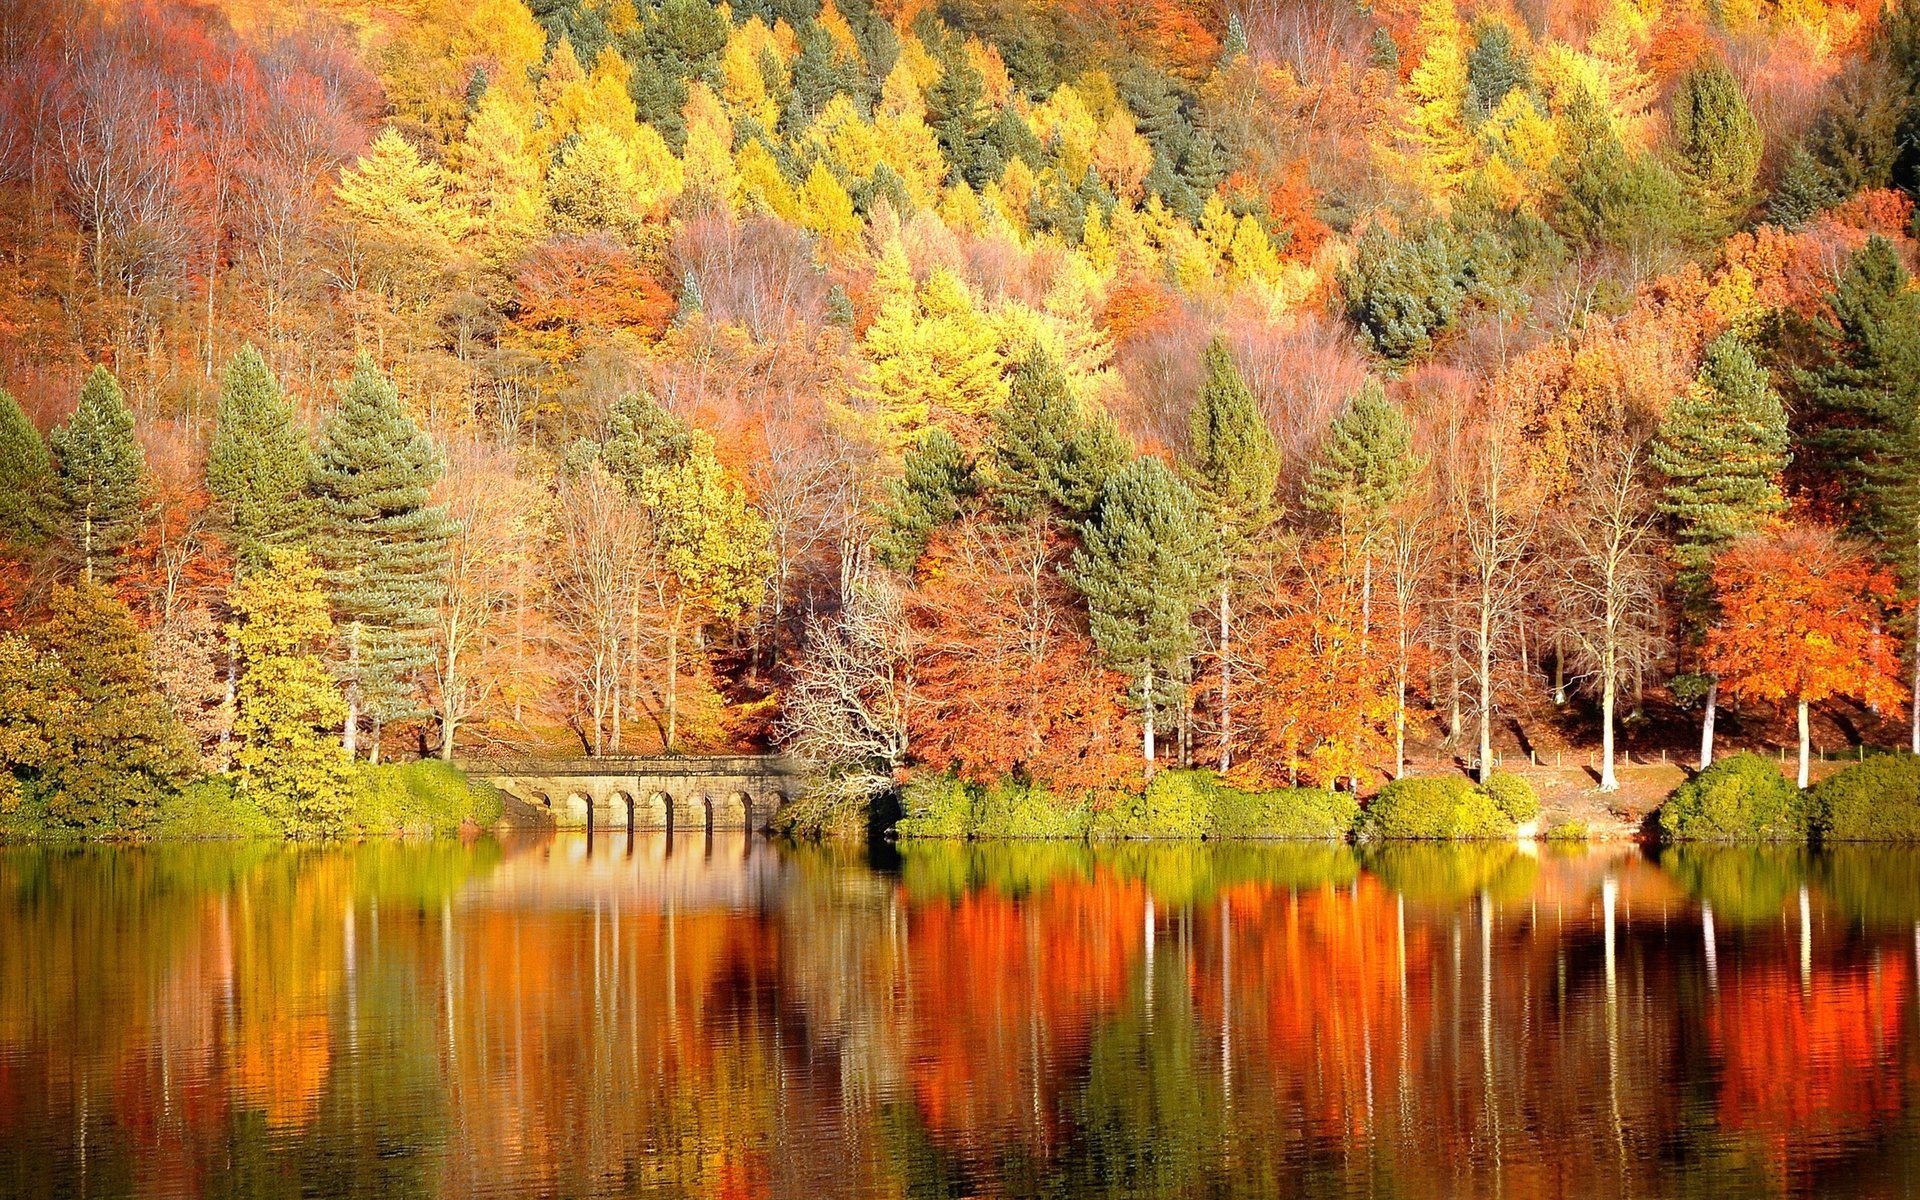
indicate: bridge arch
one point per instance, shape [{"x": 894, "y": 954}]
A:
[
  {"x": 733, "y": 810},
  {"x": 580, "y": 808}
]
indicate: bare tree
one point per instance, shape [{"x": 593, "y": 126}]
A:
[
  {"x": 599, "y": 541},
  {"x": 1607, "y": 575}
]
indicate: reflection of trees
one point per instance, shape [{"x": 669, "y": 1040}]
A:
[{"x": 1042, "y": 1019}]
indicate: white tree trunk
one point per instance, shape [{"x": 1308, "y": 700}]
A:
[
  {"x": 1146, "y": 727},
  {"x": 1226, "y": 679},
  {"x": 1608, "y": 783},
  {"x": 1706, "y": 723},
  {"x": 1803, "y": 743}
]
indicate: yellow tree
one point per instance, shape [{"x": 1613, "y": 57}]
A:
[
  {"x": 1436, "y": 94},
  {"x": 933, "y": 358},
  {"x": 827, "y": 211},
  {"x": 607, "y": 182},
  {"x": 708, "y": 156},
  {"x": 499, "y": 176}
]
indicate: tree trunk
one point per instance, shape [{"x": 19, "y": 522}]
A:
[
  {"x": 673, "y": 677},
  {"x": 1146, "y": 727},
  {"x": 1486, "y": 681},
  {"x": 1226, "y": 675},
  {"x": 1803, "y": 742},
  {"x": 1706, "y": 722},
  {"x": 1559, "y": 670},
  {"x": 373, "y": 751},
  {"x": 1916, "y": 688},
  {"x": 1608, "y": 783},
  {"x": 446, "y": 737},
  {"x": 1400, "y": 724},
  {"x": 350, "y": 735}
]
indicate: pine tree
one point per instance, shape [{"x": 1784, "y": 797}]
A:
[
  {"x": 1495, "y": 66},
  {"x": 1234, "y": 466},
  {"x": 1147, "y": 558},
  {"x": 1722, "y": 447},
  {"x": 1865, "y": 389},
  {"x": 259, "y": 464},
  {"x": 102, "y": 471},
  {"x": 29, "y": 490},
  {"x": 936, "y": 475},
  {"x": 289, "y": 704},
  {"x": 1031, "y": 435},
  {"x": 957, "y": 112},
  {"x": 117, "y": 748},
  {"x": 1717, "y": 136},
  {"x": 1366, "y": 464},
  {"x": 383, "y": 545}
]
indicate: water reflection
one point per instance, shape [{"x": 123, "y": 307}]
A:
[{"x": 723, "y": 1016}]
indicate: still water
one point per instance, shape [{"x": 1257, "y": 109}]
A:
[{"x": 726, "y": 1017}]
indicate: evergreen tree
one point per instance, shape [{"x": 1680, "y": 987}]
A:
[
  {"x": 259, "y": 464},
  {"x": 1852, "y": 144},
  {"x": 101, "y": 471},
  {"x": 1234, "y": 467},
  {"x": 29, "y": 490},
  {"x": 383, "y": 545},
  {"x": 116, "y": 749},
  {"x": 1717, "y": 136},
  {"x": 1366, "y": 463},
  {"x": 288, "y": 703},
  {"x": 936, "y": 475},
  {"x": 1147, "y": 558},
  {"x": 957, "y": 113},
  {"x": 1864, "y": 389},
  {"x": 1495, "y": 66},
  {"x": 1031, "y": 432},
  {"x": 1722, "y": 447}
]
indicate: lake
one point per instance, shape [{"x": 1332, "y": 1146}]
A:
[{"x": 731, "y": 1017}]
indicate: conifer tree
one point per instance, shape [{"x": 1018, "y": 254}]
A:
[
  {"x": 1717, "y": 136},
  {"x": 1233, "y": 465},
  {"x": 117, "y": 747},
  {"x": 102, "y": 471},
  {"x": 1147, "y": 558},
  {"x": 936, "y": 475},
  {"x": 29, "y": 491},
  {"x": 957, "y": 112},
  {"x": 288, "y": 703},
  {"x": 1865, "y": 388},
  {"x": 1366, "y": 463},
  {"x": 384, "y": 547},
  {"x": 1033, "y": 436},
  {"x": 259, "y": 464},
  {"x": 1722, "y": 447}
]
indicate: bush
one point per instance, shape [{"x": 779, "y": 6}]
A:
[
  {"x": 1443, "y": 808},
  {"x": 1011, "y": 808},
  {"x": 213, "y": 807},
  {"x": 1875, "y": 801},
  {"x": 1177, "y": 804},
  {"x": 1512, "y": 795},
  {"x": 1741, "y": 798},
  {"x": 421, "y": 798},
  {"x": 1568, "y": 831},
  {"x": 936, "y": 806},
  {"x": 1302, "y": 813}
]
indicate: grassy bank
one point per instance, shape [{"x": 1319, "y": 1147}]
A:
[{"x": 414, "y": 799}]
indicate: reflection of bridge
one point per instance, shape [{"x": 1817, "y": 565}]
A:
[{"x": 685, "y": 794}]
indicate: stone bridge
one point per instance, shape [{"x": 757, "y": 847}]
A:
[{"x": 681, "y": 794}]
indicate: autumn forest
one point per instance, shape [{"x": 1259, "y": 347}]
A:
[{"x": 1022, "y": 402}]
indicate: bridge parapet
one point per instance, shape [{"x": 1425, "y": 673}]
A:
[{"x": 630, "y": 792}]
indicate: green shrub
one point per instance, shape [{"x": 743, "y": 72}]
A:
[
  {"x": 420, "y": 799},
  {"x": 1512, "y": 795},
  {"x": 935, "y": 806},
  {"x": 1741, "y": 798},
  {"x": 1874, "y": 801},
  {"x": 1177, "y": 804},
  {"x": 1012, "y": 808},
  {"x": 212, "y": 807},
  {"x": 1435, "y": 808},
  {"x": 1303, "y": 813},
  {"x": 1568, "y": 831}
]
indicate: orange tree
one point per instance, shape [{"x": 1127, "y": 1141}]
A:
[{"x": 1803, "y": 618}]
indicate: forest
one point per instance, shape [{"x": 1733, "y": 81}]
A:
[{"x": 1308, "y": 391}]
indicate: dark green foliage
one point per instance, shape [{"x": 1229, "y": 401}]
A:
[
  {"x": 1438, "y": 808},
  {"x": 1513, "y": 796},
  {"x": 1740, "y": 798},
  {"x": 259, "y": 464},
  {"x": 1045, "y": 450},
  {"x": 935, "y": 805},
  {"x": 1146, "y": 558},
  {"x": 1383, "y": 53},
  {"x": 1722, "y": 446},
  {"x": 818, "y": 73},
  {"x": 422, "y": 798},
  {"x": 679, "y": 41},
  {"x": 1366, "y": 463},
  {"x": 1404, "y": 291},
  {"x": 1012, "y": 808},
  {"x": 212, "y": 807},
  {"x": 102, "y": 471},
  {"x": 116, "y": 747},
  {"x": 1852, "y": 145},
  {"x": 1874, "y": 801},
  {"x": 1175, "y": 805},
  {"x": 1495, "y": 66},
  {"x": 1717, "y": 137},
  {"x": 29, "y": 490},
  {"x": 1232, "y": 461},
  {"x": 957, "y": 112},
  {"x": 1611, "y": 198},
  {"x": 936, "y": 476},
  {"x": 1863, "y": 389},
  {"x": 382, "y": 541}
]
